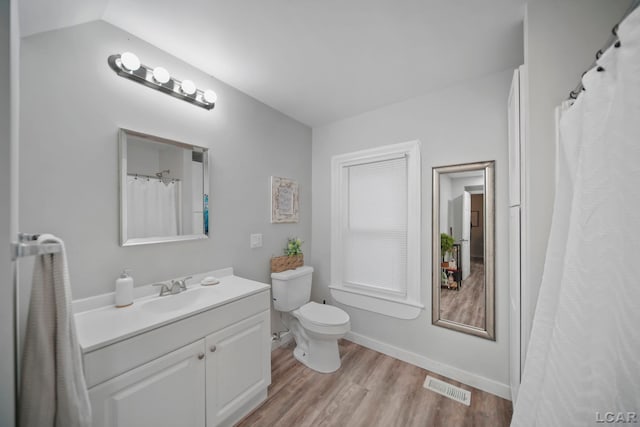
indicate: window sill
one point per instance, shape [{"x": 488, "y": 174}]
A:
[{"x": 381, "y": 304}]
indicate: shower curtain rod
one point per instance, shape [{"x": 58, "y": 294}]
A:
[
  {"x": 152, "y": 177},
  {"x": 613, "y": 40}
]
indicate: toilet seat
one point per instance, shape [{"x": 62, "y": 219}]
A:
[{"x": 323, "y": 319}]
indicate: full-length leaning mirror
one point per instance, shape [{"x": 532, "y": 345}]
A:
[
  {"x": 463, "y": 248},
  {"x": 164, "y": 190}
]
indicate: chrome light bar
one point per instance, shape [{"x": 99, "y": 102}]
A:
[{"x": 128, "y": 65}]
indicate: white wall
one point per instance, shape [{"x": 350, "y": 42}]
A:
[
  {"x": 72, "y": 107},
  {"x": 560, "y": 42},
  {"x": 458, "y": 184},
  {"x": 172, "y": 159},
  {"x": 460, "y": 124},
  {"x": 142, "y": 158}
]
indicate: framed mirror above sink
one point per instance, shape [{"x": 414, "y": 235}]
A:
[
  {"x": 164, "y": 190},
  {"x": 463, "y": 248}
]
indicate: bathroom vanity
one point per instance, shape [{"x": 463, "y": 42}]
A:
[{"x": 198, "y": 358}]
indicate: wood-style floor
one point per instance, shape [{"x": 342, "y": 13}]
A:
[
  {"x": 370, "y": 389},
  {"x": 467, "y": 304}
]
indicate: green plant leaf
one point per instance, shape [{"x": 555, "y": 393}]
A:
[{"x": 446, "y": 243}]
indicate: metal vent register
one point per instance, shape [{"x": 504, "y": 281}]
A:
[{"x": 448, "y": 390}]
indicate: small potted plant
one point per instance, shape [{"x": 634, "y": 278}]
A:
[
  {"x": 446, "y": 244},
  {"x": 292, "y": 258},
  {"x": 293, "y": 247}
]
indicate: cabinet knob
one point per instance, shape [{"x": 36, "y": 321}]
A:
[
  {"x": 200, "y": 356},
  {"x": 212, "y": 348}
]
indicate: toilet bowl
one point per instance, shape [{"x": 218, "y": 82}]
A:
[
  {"x": 319, "y": 328},
  {"x": 316, "y": 328}
]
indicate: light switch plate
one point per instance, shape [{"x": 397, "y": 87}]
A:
[{"x": 255, "y": 241}]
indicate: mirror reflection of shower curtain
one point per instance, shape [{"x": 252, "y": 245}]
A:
[{"x": 152, "y": 208}]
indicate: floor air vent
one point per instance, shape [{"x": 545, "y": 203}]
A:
[{"x": 448, "y": 390}]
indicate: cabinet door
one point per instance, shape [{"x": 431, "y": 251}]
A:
[
  {"x": 169, "y": 391},
  {"x": 238, "y": 366}
]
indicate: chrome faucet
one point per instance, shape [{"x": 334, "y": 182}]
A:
[
  {"x": 174, "y": 288},
  {"x": 164, "y": 289},
  {"x": 179, "y": 285}
]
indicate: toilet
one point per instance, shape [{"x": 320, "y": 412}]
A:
[{"x": 316, "y": 328}]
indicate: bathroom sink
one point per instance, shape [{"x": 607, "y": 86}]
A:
[{"x": 175, "y": 302}]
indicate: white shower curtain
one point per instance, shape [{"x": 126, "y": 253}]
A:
[
  {"x": 152, "y": 208},
  {"x": 583, "y": 364}
]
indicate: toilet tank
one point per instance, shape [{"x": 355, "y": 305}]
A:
[{"x": 292, "y": 288}]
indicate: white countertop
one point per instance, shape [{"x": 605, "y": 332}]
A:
[{"x": 99, "y": 327}]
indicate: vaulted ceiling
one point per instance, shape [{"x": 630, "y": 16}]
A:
[{"x": 316, "y": 61}]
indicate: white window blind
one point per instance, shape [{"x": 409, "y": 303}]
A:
[
  {"x": 375, "y": 229},
  {"x": 375, "y": 226}
]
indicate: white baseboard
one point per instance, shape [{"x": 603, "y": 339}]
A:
[
  {"x": 473, "y": 380},
  {"x": 285, "y": 338}
]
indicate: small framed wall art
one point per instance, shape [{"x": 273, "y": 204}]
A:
[{"x": 284, "y": 200}]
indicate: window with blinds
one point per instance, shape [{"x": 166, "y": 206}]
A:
[
  {"x": 375, "y": 226},
  {"x": 376, "y": 229}
]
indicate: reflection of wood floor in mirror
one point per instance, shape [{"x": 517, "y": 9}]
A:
[{"x": 466, "y": 305}]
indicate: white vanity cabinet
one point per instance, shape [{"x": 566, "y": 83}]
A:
[
  {"x": 171, "y": 389},
  {"x": 237, "y": 367},
  {"x": 208, "y": 368}
]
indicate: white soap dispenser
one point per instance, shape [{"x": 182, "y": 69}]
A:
[{"x": 124, "y": 290}]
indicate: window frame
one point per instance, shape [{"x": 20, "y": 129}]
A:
[{"x": 404, "y": 305}]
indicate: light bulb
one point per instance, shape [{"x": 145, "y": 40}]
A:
[
  {"x": 188, "y": 87},
  {"x": 130, "y": 61},
  {"x": 210, "y": 96},
  {"x": 161, "y": 75}
]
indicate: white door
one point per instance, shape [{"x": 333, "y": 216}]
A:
[
  {"x": 196, "y": 197},
  {"x": 462, "y": 230},
  {"x": 167, "y": 392},
  {"x": 514, "y": 140},
  {"x": 238, "y": 367},
  {"x": 515, "y": 369},
  {"x": 518, "y": 312}
]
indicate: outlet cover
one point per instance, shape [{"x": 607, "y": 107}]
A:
[{"x": 255, "y": 241}]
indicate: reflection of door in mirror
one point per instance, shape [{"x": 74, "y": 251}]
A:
[
  {"x": 477, "y": 227},
  {"x": 461, "y": 197},
  {"x": 462, "y": 230},
  {"x": 197, "y": 204}
]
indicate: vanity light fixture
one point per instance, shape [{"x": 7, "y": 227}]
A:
[
  {"x": 188, "y": 87},
  {"x": 130, "y": 61},
  {"x": 128, "y": 65},
  {"x": 161, "y": 75},
  {"x": 210, "y": 96}
]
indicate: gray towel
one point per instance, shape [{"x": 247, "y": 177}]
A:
[{"x": 53, "y": 391}]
